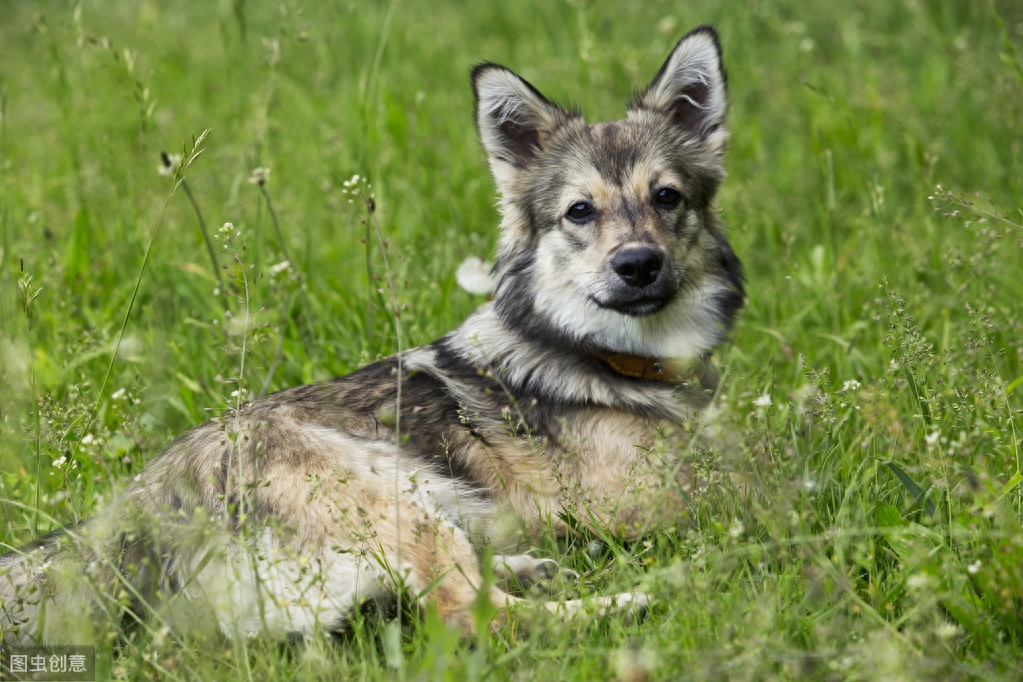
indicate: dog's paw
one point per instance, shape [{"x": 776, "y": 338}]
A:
[
  {"x": 526, "y": 574},
  {"x": 633, "y": 606}
]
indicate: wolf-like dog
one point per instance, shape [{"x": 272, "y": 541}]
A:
[{"x": 562, "y": 401}]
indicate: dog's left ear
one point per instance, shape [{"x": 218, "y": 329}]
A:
[{"x": 691, "y": 88}]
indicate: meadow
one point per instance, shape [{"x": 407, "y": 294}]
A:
[{"x": 865, "y": 521}]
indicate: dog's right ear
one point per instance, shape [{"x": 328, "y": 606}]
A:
[{"x": 513, "y": 118}]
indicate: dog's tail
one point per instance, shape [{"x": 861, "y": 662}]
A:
[
  {"x": 66, "y": 586},
  {"x": 24, "y": 586}
]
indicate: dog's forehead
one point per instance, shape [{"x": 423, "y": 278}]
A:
[
  {"x": 619, "y": 153},
  {"x": 617, "y": 149}
]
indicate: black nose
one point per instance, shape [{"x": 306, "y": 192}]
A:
[{"x": 638, "y": 266}]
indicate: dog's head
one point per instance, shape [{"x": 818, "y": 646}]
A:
[{"x": 608, "y": 237}]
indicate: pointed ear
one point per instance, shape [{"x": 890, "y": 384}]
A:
[
  {"x": 513, "y": 118},
  {"x": 691, "y": 88}
]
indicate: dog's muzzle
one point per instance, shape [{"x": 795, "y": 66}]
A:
[{"x": 639, "y": 281}]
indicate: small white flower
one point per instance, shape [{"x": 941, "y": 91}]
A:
[
  {"x": 947, "y": 631},
  {"x": 279, "y": 268},
  {"x": 474, "y": 276},
  {"x": 918, "y": 582},
  {"x": 259, "y": 176},
  {"x": 763, "y": 401}
]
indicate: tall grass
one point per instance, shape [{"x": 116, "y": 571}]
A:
[{"x": 865, "y": 517}]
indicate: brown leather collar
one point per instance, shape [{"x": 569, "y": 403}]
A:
[{"x": 658, "y": 369}]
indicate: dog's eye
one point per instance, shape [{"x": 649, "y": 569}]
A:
[
  {"x": 579, "y": 212},
  {"x": 667, "y": 197}
]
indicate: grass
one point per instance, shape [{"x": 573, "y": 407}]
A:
[{"x": 871, "y": 414}]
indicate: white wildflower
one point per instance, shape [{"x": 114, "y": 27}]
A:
[
  {"x": 279, "y": 268},
  {"x": 946, "y": 631},
  {"x": 918, "y": 582},
  {"x": 259, "y": 176},
  {"x": 474, "y": 276}
]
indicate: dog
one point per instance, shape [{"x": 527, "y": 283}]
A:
[{"x": 561, "y": 403}]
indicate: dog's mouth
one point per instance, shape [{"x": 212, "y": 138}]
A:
[{"x": 639, "y": 306}]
